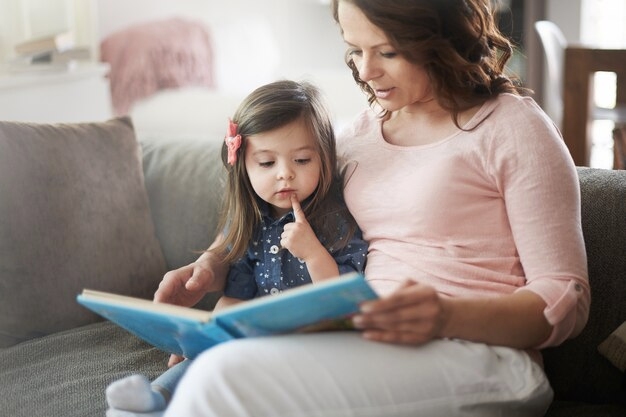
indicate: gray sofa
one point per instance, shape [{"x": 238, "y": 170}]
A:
[{"x": 89, "y": 206}]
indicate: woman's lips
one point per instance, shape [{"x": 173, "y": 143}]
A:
[{"x": 382, "y": 93}]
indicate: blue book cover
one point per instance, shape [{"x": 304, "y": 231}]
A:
[{"x": 189, "y": 331}]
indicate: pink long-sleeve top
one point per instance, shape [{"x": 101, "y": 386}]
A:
[{"x": 487, "y": 211}]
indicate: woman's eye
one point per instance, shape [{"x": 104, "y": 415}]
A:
[
  {"x": 388, "y": 54},
  {"x": 355, "y": 52}
]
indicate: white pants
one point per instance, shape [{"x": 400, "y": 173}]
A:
[{"x": 339, "y": 374}]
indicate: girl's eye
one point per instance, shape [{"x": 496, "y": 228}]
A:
[
  {"x": 303, "y": 161},
  {"x": 266, "y": 164}
]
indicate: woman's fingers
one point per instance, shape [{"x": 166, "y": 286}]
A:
[{"x": 410, "y": 315}]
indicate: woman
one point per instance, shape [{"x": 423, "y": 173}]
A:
[{"x": 470, "y": 203}]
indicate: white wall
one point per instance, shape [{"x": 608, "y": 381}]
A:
[
  {"x": 257, "y": 41},
  {"x": 283, "y": 37},
  {"x": 567, "y": 15}
]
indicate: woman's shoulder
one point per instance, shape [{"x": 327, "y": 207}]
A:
[
  {"x": 366, "y": 125},
  {"x": 517, "y": 106},
  {"x": 364, "y": 122},
  {"x": 516, "y": 132},
  {"x": 514, "y": 114}
]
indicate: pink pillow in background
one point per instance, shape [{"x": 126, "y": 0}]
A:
[{"x": 155, "y": 56}]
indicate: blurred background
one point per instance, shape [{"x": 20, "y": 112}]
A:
[{"x": 141, "y": 57}]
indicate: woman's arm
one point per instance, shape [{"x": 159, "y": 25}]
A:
[
  {"x": 225, "y": 302},
  {"x": 415, "y": 314}
]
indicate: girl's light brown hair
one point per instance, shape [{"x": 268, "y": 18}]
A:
[
  {"x": 457, "y": 42},
  {"x": 267, "y": 108}
]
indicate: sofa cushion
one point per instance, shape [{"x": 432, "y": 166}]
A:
[
  {"x": 65, "y": 374},
  {"x": 184, "y": 179},
  {"x": 577, "y": 371},
  {"x": 74, "y": 213}
]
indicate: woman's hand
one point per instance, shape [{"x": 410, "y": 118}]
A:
[
  {"x": 413, "y": 314},
  {"x": 187, "y": 285}
]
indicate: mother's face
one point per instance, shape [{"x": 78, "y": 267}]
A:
[{"x": 396, "y": 82}]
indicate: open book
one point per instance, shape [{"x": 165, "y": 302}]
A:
[{"x": 188, "y": 331}]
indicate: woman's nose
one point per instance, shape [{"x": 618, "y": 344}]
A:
[{"x": 367, "y": 68}]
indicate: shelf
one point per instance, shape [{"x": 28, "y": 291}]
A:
[
  {"x": 79, "y": 94},
  {"x": 44, "y": 76}
]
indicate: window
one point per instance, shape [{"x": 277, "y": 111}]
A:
[{"x": 603, "y": 25}]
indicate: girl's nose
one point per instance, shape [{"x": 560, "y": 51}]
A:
[{"x": 285, "y": 172}]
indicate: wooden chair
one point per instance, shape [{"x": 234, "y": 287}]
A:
[
  {"x": 585, "y": 61},
  {"x": 619, "y": 147},
  {"x": 554, "y": 45}
]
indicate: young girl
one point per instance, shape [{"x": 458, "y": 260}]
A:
[{"x": 283, "y": 222}]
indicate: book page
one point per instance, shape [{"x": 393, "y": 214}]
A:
[
  {"x": 147, "y": 305},
  {"x": 314, "y": 306}
]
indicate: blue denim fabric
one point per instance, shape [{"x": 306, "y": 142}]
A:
[{"x": 267, "y": 269}]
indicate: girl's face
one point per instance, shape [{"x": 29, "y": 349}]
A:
[
  {"x": 283, "y": 162},
  {"x": 396, "y": 82}
]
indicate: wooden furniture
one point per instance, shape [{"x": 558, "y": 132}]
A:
[
  {"x": 580, "y": 65},
  {"x": 619, "y": 147}
]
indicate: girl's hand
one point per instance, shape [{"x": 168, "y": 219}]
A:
[
  {"x": 298, "y": 237},
  {"x": 413, "y": 314}
]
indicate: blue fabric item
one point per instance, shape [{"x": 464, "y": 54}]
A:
[{"x": 169, "y": 379}]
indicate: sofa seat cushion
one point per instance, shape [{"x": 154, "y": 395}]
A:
[
  {"x": 66, "y": 374},
  {"x": 74, "y": 213}
]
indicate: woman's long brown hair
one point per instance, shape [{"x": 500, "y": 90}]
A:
[{"x": 457, "y": 42}]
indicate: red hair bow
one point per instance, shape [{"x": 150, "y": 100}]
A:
[{"x": 233, "y": 142}]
